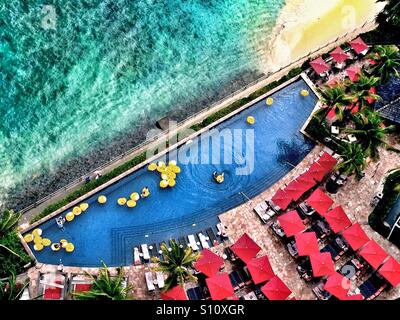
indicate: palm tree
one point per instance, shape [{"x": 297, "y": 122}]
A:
[
  {"x": 176, "y": 264},
  {"x": 360, "y": 90},
  {"x": 388, "y": 59},
  {"x": 10, "y": 289},
  {"x": 353, "y": 156},
  {"x": 390, "y": 15},
  {"x": 8, "y": 221},
  {"x": 371, "y": 131},
  {"x": 106, "y": 287},
  {"x": 335, "y": 97}
]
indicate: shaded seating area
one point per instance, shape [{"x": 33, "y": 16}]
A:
[{"x": 52, "y": 286}]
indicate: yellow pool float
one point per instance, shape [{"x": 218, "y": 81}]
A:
[
  {"x": 304, "y": 93},
  {"x": 28, "y": 237},
  {"x": 176, "y": 169},
  {"x": 250, "y": 120},
  {"x": 152, "y": 166},
  {"x": 171, "y": 175},
  {"x": 70, "y": 247},
  {"x": 37, "y": 232},
  {"x": 69, "y": 216},
  {"x": 38, "y": 246},
  {"x": 131, "y": 203},
  {"x": 164, "y": 176},
  {"x": 171, "y": 182},
  {"x": 84, "y": 206},
  {"x": 63, "y": 243},
  {"x": 172, "y": 163},
  {"x": 121, "y": 201},
  {"x": 76, "y": 211},
  {"x": 135, "y": 196},
  {"x": 37, "y": 240},
  {"x": 269, "y": 101},
  {"x": 102, "y": 199},
  {"x": 46, "y": 242},
  {"x": 164, "y": 183}
]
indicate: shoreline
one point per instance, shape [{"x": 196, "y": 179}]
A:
[
  {"x": 261, "y": 82},
  {"x": 298, "y": 28}
]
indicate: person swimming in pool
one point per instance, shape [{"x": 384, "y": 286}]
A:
[
  {"x": 219, "y": 178},
  {"x": 145, "y": 192}
]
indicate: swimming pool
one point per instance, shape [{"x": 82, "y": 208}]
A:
[{"x": 109, "y": 232}]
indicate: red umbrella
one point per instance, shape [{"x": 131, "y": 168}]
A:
[
  {"x": 359, "y": 45},
  {"x": 354, "y": 73},
  {"x": 373, "y": 254},
  {"x": 294, "y": 190},
  {"x": 260, "y": 269},
  {"x": 320, "y": 201},
  {"x": 220, "y": 286},
  {"x": 176, "y": 293},
  {"x": 355, "y": 236},
  {"x": 339, "y": 55},
  {"x": 319, "y": 65},
  {"x": 306, "y": 181},
  {"x": 355, "y": 297},
  {"x": 291, "y": 223},
  {"x": 281, "y": 199},
  {"x": 245, "y": 248},
  {"x": 275, "y": 289},
  {"x": 209, "y": 263},
  {"x": 391, "y": 271},
  {"x": 322, "y": 264},
  {"x": 337, "y": 285},
  {"x": 327, "y": 161},
  {"x": 307, "y": 243},
  {"x": 337, "y": 219},
  {"x": 317, "y": 171}
]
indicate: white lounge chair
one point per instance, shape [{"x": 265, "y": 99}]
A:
[
  {"x": 192, "y": 242},
  {"x": 221, "y": 229},
  {"x": 145, "y": 251},
  {"x": 262, "y": 210},
  {"x": 149, "y": 281},
  {"x": 203, "y": 241},
  {"x": 136, "y": 256},
  {"x": 160, "y": 279}
]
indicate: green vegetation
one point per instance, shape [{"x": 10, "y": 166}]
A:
[
  {"x": 353, "y": 156},
  {"x": 388, "y": 62},
  {"x": 12, "y": 254},
  {"x": 389, "y": 25},
  {"x": 176, "y": 264},
  {"x": 106, "y": 287},
  {"x": 371, "y": 132},
  {"x": 142, "y": 157},
  {"x": 10, "y": 289},
  {"x": 391, "y": 192}
]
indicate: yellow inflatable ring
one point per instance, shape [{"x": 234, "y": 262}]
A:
[
  {"x": 84, "y": 206},
  {"x": 37, "y": 232},
  {"x": 164, "y": 183},
  {"x": 121, "y": 201},
  {"x": 304, "y": 93},
  {"x": 172, "y": 182},
  {"x": 250, "y": 120},
  {"x": 55, "y": 247},
  {"x": 38, "y": 246},
  {"x": 135, "y": 196},
  {"x": 152, "y": 166},
  {"x": 176, "y": 169},
  {"x": 131, "y": 203},
  {"x": 76, "y": 211},
  {"x": 70, "y": 247},
  {"x": 69, "y": 216},
  {"x": 63, "y": 243},
  {"x": 28, "y": 237},
  {"x": 102, "y": 199},
  {"x": 269, "y": 101}
]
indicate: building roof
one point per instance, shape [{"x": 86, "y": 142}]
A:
[{"x": 391, "y": 111}]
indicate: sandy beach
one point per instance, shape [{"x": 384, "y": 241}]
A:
[{"x": 305, "y": 25}]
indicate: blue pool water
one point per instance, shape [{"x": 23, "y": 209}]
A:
[{"x": 109, "y": 232}]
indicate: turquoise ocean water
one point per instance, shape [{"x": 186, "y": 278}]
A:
[{"x": 79, "y": 76}]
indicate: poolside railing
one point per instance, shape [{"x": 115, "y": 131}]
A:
[{"x": 201, "y": 114}]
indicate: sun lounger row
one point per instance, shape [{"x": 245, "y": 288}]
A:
[
  {"x": 151, "y": 281},
  {"x": 337, "y": 248},
  {"x": 240, "y": 278},
  {"x": 372, "y": 287},
  {"x": 264, "y": 211},
  {"x": 197, "y": 241}
]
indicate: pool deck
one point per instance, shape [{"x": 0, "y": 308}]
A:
[{"x": 355, "y": 197}]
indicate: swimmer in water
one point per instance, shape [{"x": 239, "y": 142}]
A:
[
  {"x": 145, "y": 192},
  {"x": 219, "y": 178}
]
